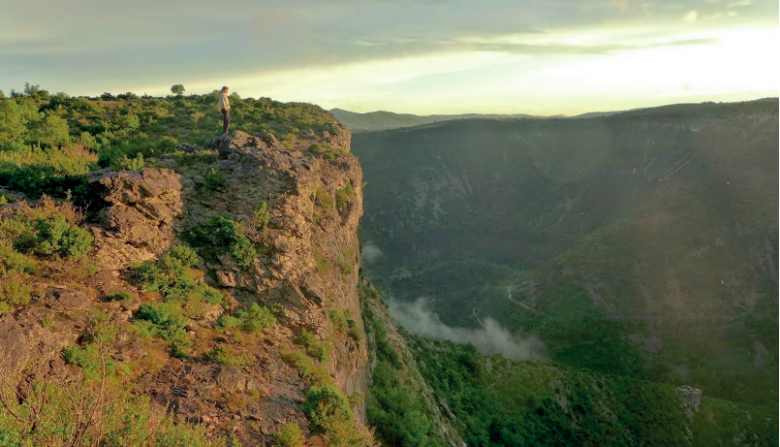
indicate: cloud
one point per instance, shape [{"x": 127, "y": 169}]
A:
[
  {"x": 491, "y": 338},
  {"x": 619, "y": 4},
  {"x": 691, "y": 16},
  {"x": 426, "y": 56},
  {"x": 370, "y": 253}
]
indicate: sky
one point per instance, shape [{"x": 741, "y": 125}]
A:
[{"x": 540, "y": 57}]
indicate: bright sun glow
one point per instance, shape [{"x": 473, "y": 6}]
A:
[{"x": 725, "y": 65}]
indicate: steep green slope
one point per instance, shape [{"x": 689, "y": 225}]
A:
[
  {"x": 642, "y": 243},
  {"x": 401, "y": 406},
  {"x": 504, "y": 403}
]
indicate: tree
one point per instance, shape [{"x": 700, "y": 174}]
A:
[
  {"x": 31, "y": 90},
  {"x": 52, "y": 131},
  {"x": 15, "y": 120},
  {"x": 177, "y": 89},
  {"x": 107, "y": 97},
  {"x": 2, "y": 95},
  {"x": 129, "y": 96}
]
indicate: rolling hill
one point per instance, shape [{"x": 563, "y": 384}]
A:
[
  {"x": 642, "y": 243},
  {"x": 381, "y": 120}
]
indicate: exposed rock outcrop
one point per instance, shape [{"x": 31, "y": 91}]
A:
[{"x": 137, "y": 224}]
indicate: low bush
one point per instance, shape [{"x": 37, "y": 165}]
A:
[
  {"x": 355, "y": 334},
  {"x": 252, "y": 319},
  {"x": 345, "y": 195},
  {"x": 125, "y": 163},
  {"x": 218, "y": 233},
  {"x": 289, "y": 436},
  {"x": 15, "y": 290},
  {"x": 323, "y": 199},
  {"x": 346, "y": 267},
  {"x": 300, "y": 361},
  {"x": 339, "y": 320},
  {"x": 54, "y": 236},
  {"x": 326, "y": 405},
  {"x": 166, "y": 321},
  {"x": 314, "y": 348},
  {"x": 224, "y": 357},
  {"x": 118, "y": 296},
  {"x": 13, "y": 261},
  {"x": 214, "y": 178},
  {"x": 170, "y": 276},
  {"x": 261, "y": 217}
]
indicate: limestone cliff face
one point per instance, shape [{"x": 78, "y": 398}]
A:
[{"x": 307, "y": 272}]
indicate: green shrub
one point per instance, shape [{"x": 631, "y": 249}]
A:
[
  {"x": 300, "y": 361},
  {"x": 346, "y": 267},
  {"x": 214, "y": 178},
  {"x": 244, "y": 252},
  {"x": 254, "y": 318},
  {"x": 13, "y": 261},
  {"x": 327, "y": 151},
  {"x": 123, "y": 417},
  {"x": 168, "y": 323},
  {"x": 345, "y": 195},
  {"x": 355, "y": 334},
  {"x": 168, "y": 276},
  {"x": 15, "y": 290},
  {"x": 223, "y": 357},
  {"x": 57, "y": 236},
  {"x": 51, "y": 171},
  {"x": 217, "y": 231},
  {"x": 185, "y": 254},
  {"x": 261, "y": 217},
  {"x": 118, "y": 296},
  {"x": 325, "y": 406},
  {"x": 289, "y": 436},
  {"x": 323, "y": 200},
  {"x": 92, "y": 355},
  {"x": 209, "y": 294},
  {"x": 339, "y": 320},
  {"x": 220, "y": 233},
  {"x": 129, "y": 164},
  {"x": 314, "y": 348}
]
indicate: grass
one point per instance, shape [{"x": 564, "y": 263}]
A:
[
  {"x": 223, "y": 356},
  {"x": 316, "y": 349}
]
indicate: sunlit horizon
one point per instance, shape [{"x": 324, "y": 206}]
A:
[{"x": 611, "y": 55}]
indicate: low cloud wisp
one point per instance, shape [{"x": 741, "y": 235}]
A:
[{"x": 491, "y": 338}]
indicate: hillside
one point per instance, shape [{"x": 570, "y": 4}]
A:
[
  {"x": 380, "y": 120},
  {"x": 498, "y": 402},
  {"x": 205, "y": 295},
  {"x": 642, "y": 243},
  {"x": 161, "y": 287}
]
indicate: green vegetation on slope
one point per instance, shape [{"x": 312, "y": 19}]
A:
[
  {"x": 506, "y": 403},
  {"x": 399, "y": 413},
  {"x": 48, "y": 143},
  {"x": 642, "y": 243},
  {"x": 44, "y": 238}
]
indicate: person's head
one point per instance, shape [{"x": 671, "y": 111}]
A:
[{"x": 225, "y": 90}]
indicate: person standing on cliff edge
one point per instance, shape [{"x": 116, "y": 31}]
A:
[{"x": 224, "y": 106}]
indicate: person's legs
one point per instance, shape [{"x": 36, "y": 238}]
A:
[{"x": 225, "y": 121}]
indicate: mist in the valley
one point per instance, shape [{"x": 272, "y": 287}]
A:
[
  {"x": 492, "y": 338},
  {"x": 370, "y": 253}
]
